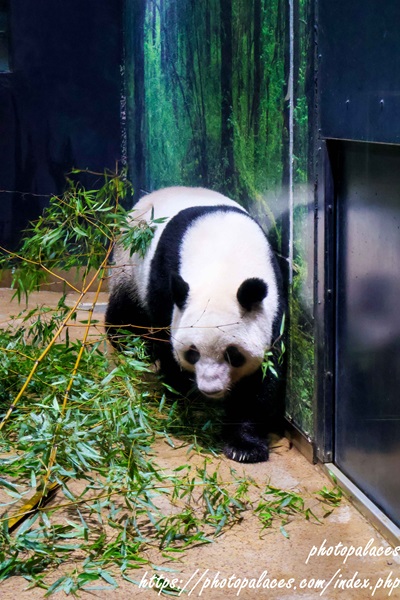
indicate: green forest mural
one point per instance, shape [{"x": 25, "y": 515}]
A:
[{"x": 209, "y": 103}]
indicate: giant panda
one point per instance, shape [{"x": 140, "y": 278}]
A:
[{"x": 209, "y": 291}]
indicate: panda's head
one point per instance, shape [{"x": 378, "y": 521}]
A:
[{"x": 220, "y": 338}]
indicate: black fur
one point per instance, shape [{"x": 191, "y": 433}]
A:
[
  {"x": 179, "y": 290},
  {"x": 124, "y": 314},
  {"x": 252, "y": 292},
  {"x": 254, "y": 408}
]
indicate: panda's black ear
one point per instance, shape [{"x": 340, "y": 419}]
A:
[
  {"x": 251, "y": 292},
  {"x": 179, "y": 290}
]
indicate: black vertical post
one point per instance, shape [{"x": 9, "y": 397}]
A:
[{"x": 325, "y": 307}]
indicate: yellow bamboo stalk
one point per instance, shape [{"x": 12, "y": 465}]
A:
[
  {"x": 11, "y": 351},
  {"x": 29, "y": 506}
]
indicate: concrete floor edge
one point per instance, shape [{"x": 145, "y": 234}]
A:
[{"x": 364, "y": 505}]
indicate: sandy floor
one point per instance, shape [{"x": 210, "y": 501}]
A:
[{"x": 312, "y": 563}]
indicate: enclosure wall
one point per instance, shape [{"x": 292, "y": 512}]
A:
[{"x": 60, "y": 100}]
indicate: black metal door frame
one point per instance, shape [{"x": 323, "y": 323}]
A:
[{"x": 325, "y": 304}]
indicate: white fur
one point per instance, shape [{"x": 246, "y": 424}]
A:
[{"x": 219, "y": 251}]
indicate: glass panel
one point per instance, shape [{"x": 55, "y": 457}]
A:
[
  {"x": 219, "y": 95},
  {"x": 368, "y": 351}
]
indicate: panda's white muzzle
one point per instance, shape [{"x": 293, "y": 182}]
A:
[{"x": 212, "y": 378}]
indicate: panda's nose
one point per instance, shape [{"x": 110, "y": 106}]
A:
[
  {"x": 210, "y": 388},
  {"x": 212, "y": 378}
]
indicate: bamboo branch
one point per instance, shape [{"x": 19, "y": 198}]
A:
[{"x": 52, "y": 342}]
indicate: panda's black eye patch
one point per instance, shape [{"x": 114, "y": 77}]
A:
[
  {"x": 234, "y": 357},
  {"x": 192, "y": 355}
]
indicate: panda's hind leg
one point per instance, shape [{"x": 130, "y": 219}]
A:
[{"x": 125, "y": 317}]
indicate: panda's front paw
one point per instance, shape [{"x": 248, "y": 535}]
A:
[{"x": 247, "y": 453}]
